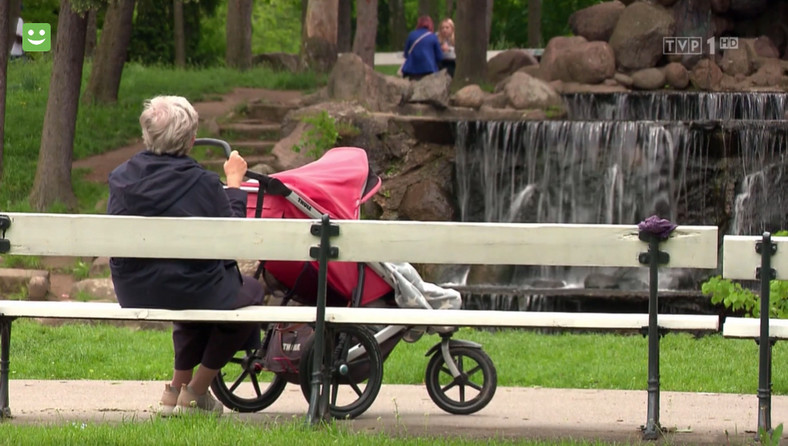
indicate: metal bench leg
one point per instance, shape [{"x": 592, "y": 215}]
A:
[
  {"x": 765, "y": 273},
  {"x": 653, "y": 258},
  {"x": 5, "y": 351}
]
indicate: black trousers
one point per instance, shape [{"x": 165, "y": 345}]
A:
[{"x": 213, "y": 345}]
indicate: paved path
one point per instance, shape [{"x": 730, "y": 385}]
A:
[{"x": 691, "y": 418}]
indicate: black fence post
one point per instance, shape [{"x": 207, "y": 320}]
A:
[
  {"x": 318, "y": 399},
  {"x": 653, "y": 258},
  {"x": 765, "y": 273}
]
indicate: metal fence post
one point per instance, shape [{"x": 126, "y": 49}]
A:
[
  {"x": 765, "y": 273},
  {"x": 318, "y": 399},
  {"x": 653, "y": 258}
]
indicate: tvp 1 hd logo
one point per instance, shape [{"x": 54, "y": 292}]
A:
[
  {"x": 690, "y": 46},
  {"x": 36, "y": 37}
]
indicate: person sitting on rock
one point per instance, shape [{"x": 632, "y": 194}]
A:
[{"x": 422, "y": 51}]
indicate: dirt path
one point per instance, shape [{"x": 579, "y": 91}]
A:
[{"x": 101, "y": 165}]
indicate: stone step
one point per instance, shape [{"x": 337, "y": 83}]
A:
[
  {"x": 250, "y": 129},
  {"x": 269, "y": 111}
]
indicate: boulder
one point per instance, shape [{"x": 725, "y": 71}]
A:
[
  {"x": 676, "y": 75},
  {"x": 432, "y": 89},
  {"x": 768, "y": 75},
  {"x": 353, "y": 80},
  {"x": 596, "y": 22},
  {"x": 648, "y": 79},
  {"x": 736, "y": 61},
  {"x": 426, "y": 201},
  {"x": 95, "y": 289},
  {"x": 639, "y": 33},
  {"x": 38, "y": 288},
  {"x": 505, "y": 63},
  {"x": 526, "y": 92},
  {"x": 706, "y": 75},
  {"x": 471, "y": 96},
  {"x": 551, "y": 66},
  {"x": 589, "y": 63}
]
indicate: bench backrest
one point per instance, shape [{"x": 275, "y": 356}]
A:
[
  {"x": 740, "y": 260},
  {"x": 358, "y": 241}
]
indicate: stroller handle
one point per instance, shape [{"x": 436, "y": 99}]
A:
[{"x": 272, "y": 185}]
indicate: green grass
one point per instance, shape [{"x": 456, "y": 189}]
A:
[
  {"x": 100, "y": 127},
  {"x": 522, "y": 358},
  {"x": 208, "y": 431}
]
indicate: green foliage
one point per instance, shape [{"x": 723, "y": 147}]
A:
[
  {"x": 771, "y": 438},
  {"x": 81, "y": 270},
  {"x": 321, "y": 135},
  {"x": 737, "y": 298},
  {"x": 25, "y": 262}
]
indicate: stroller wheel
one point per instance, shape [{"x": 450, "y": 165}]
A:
[
  {"x": 355, "y": 374},
  {"x": 467, "y": 393},
  {"x": 242, "y": 385}
]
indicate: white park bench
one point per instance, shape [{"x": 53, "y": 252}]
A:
[
  {"x": 761, "y": 258},
  {"x": 361, "y": 241}
]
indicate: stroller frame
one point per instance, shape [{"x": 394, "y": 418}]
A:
[{"x": 321, "y": 373}]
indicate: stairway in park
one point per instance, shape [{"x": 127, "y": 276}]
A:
[{"x": 253, "y": 130}]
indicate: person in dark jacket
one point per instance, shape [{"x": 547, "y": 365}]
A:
[
  {"x": 163, "y": 181},
  {"x": 423, "y": 52}
]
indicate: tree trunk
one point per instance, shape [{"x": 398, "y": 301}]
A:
[
  {"x": 471, "y": 43},
  {"x": 107, "y": 69},
  {"x": 366, "y": 30},
  {"x": 319, "y": 42},
  {"x": 488, "y": 23},
  {"x": 90, "y": 36},
  {"x": 14, "y": 8},
  {"x": 178, "y": 33},
  {"x": 239, "y": 34},
  {"x": 345, "y": 27},
  {"x": 535, "y": 23},
  {"x": 398, "y": 28},
  {"x": 52, "y": 183},
  {"x": 5, "y": 25}
]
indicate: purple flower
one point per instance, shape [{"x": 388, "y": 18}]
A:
[{"x": 657, "y": 226}]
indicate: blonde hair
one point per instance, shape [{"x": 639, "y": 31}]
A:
[
  {"x": 450, "y": 22},
  {"x": 169, "y": 125}
]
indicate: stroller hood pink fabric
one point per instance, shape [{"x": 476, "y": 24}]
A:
[{"x": 336, "y": 184}]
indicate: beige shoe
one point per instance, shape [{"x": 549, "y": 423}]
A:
[
  {"x": 169, "y": 399},
  {"x": 190, "y": 402}
]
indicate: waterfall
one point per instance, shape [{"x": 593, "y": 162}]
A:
[{"x": 694, "y": 158}]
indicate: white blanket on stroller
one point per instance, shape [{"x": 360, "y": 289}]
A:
[{"x": 411, "y": 291}]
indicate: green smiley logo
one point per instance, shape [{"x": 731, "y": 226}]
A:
[{"x": 36, "y": 37}]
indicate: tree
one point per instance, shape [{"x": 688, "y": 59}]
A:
[
  {"x": 4, "y": 37},
  {"x": 534, "y": 23},
  {"x": 110, "y": 57},
  {"x": 471, "y": 43},
  {"x": 366, "y": 30},
  {"x": 344, "y": 27},
  {"x": 319, "y": 41},
  {"x": 398, "y": 28},
  {"x": 91, "y": 34},
  {"x": 239, "y": 34},
  {"x": 52, "y": 183},
  {"x": 178, "y": 33}
]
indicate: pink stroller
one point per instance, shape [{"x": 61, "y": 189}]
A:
[{"x": 460, "y": 376}]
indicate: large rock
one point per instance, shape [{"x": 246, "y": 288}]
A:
[
  {"x": 736, "y": 61},
  {"x": 14, "y": 280},
  {"x": 471, "y": 96},
  {"x": 353, "y": 80},
  {"x": 770, "y": 74},
  {"x": 432, "y": 89},
  {"x": 505, "y": 63},
  {"x": 426, "y": 201},
  {"x": 648, "y": 79},
  {"x": 596, "y": 22},
  {"x": 552, "y": 65},
  {"x": 706, "y": 75},
  {"x": 526, "y": 92},
  {"x": 94, "y": 289},
  {"x": 639, "y": 33},
  {"x": 590, "y": 63},
  {"x": 676, "y": 75}
]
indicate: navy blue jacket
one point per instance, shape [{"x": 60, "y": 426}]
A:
[
  {"x": 173, "y": 186},
  {"x": 425, "y": 56}
]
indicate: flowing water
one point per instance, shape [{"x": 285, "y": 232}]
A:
[{"x": 693, "y": 158}]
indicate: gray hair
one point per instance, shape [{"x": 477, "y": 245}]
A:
[{"x": 169, "y": 125}]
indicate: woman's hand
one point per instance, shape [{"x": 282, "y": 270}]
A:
[{"x": 234, "y": 169}]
